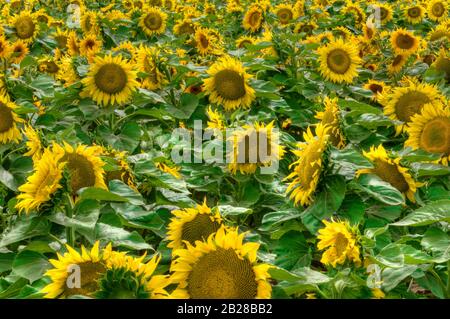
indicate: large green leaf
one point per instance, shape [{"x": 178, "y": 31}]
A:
[
  {"x": 30, "y": 265},
  {"x": 101, "y": 195},
  {"x": 292, "y": 251},
  {"x": 379, "y": 189},
  {"x": 431, "y": 213}
]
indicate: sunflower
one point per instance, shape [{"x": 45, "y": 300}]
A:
[
  {"x": 169, "y": 169},
  {"x": 285, "y": 13},
  {"x": 342, "y": 32},
  {"x": 127, "y": 277},
  {"x": 404, "y": 42},
  {"x": 153, "y": 21},
  {"x": 67, "y": 73},
  {"x": 19, "y": 51},
  {"x": 84, "y": 166},
  {"x": 305, "y": 27},
  {"x": 110, "y": 80},
  {"x": 255, "y": 146},
  {"x": 253, "y": 18},
  {"x": 192, "y": 224},
  {"x": 5, "y": 48},
  {"x": 61, "y": 38},
  {"x": 170, "y": 5},
  {"x": 8, "y": 121},
  {"x": 228, "y": 84},
  {"x": 34, "y": 144},
  {"x": 204, "y": 41},
  {"x": 430, "y": 131},
  {"x": 243, "y": 41},
  {"x": 25, "y": 26},
  {"x": 216, "y": 120},
  {"x": 308, "y": 168},
  {"x": 440, "y": 32},
  {"x": 89, "y": 23},
  {"x": 377, "y": 87},
  {"x": 42, "y": 184},
  {"x": 391, "y": 171},
  {"x": 89, "y": 46},
  {"x": 339, "y": 61},
  {"x": 437, "y": 10},
  {"x": 330, "y": 117},
  {"x": 184, "y": 26},
  {"x": 355, "y": 10},
  {"x": 339, "y": 240},
  {"x": 398, "y": 63},
  {"x": 128, "y": 49},
  {"x": 222, "y": 267},
  {"x": 385, "y": 11},
  {"x": 369, "y": 31},
  {"x": 414, "y": 14},
  {"x": 90, "y": 265},
  {"x": 147, "y": 59},
  {"x": 73, "y": 44},
  {"x": 122, "y": 171},
  {"x": 48, "y": 65},
  {"x": 442, "y": 63},
  {"x": 401, "y": 103}
]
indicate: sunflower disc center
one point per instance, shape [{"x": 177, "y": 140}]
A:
[
  {"x": 405, "y": 41},
  {"x": 254, "y": 19},
  {"x": 410, "y": 104},
  {"x": 89, "y": 274},
  {"x": 435, "y": 137},
  {"x": 414, "y": 12},
  {"x": 285, "y": 15},
  {"x": 111, "y": 78},
  {"x": 376, "y": 88},
  {"x": 250, "y": 146},
  {"x": 438, "y": 9},
  {"x": 81, "y": 170},
  {"x": 390, "y": 173},
  {"x": 341, "y": 243},
  {"x": 229, "y": 84},
  {"x": 221, "y": 274},
  {"x": 6, "y": 118},
  {"x": 25, "y": 27},
  {"x": 338, "y": 61},
  {"x": 153, "y": 21},
  {"x": 199, "y": 228}
]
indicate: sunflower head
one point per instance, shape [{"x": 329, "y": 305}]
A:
[
  {"x": 404, "y": 42},
  {"x": 19, "y": 50},
  {"x": 398, "y": 62},
  {"x": 330, "y": 117},
  {"x": 184, "y": 27},
  {"x": 8, "y": 121},
  {"x": 147, "y": 62},
  {"x": 377, "y": 88},
  {"x": 34, "y": 144},
  {"x": 25, "y": 26},
  {"x": 5, "y": 47},
  {"x": 153, "y": 21},
  {"x": 228, "y": 84},
  {"x": 338, "y": 240},
  {"x": 414, "y": 13},
  {"x": 437, "y": 10},
  {"x": 285, "y": 13},
  {"x": 442, "y": 63},
  {"x": 307, "y": 169},
  {"x": 223, "y": 267},
  {"x": 253, "y": 18}
]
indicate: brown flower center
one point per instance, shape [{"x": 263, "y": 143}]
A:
[{"x": 111, "y": 78}]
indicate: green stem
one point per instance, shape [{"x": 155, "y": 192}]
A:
[{"x": 70, "y": 231}]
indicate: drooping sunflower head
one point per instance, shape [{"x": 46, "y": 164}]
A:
[
  {"x": 25, "y": 26},
  {"x": 8, "y": 121},
  {"x": 437, "y": 10},
  {"x": 339, "y": 241},
  {"x": 118, "y": 168},
  {"x": 192, "y": 224},
  {"x": 48, "y": 65},
  {"x": 110, "y": 80},
  {"x": 414, "y": 13},
  {"x": 88, "y": 266},
  {"x": 67, "y": 73},
  {"x": 89, "y": 22},
  {"x": 84, "y": 166},
  {"x": 61, "y": 38},
  {"x": 42, "y": 184},
  {"x": 223, "y": 267},
  {"x": 243, "y": 41},
  {"x": 389, "y": 169},
  {"x": 440, "y": 32},
  {"x": 90, "y": 45},
  {"x": 147, "y": 62},
  {"x": 430, "y": 131},
  {"x": 377, "y": 87},
  {"x": 305, "y": 27},
  {"x": 442, "y": 63},
  {"x": 72, "y": 44},
  {"x": 285, "y": 13},
  {"x": 404, "y": 42},
  {"x": 5, "y": 47},
  {"x": 339, "y": 61},
  {"x": 34, "y": 144},
  {"x": 255, "y": 146},
  {"x": 398, "y": 62},
  {"x": 128, "y": 277},
  {"x": 184, "y": 27},
  {"x": 402, "y": 103},
  {"x": 330, "y": 117},
  {"x": 307, "y": 169},
  {"x": 19, "y": 51},
  {"x": 253, "y": 18},
  {"x": 153, "y": 21},
  {"x": 228, "y": 84}
]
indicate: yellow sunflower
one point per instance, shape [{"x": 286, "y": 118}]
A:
[
  {"x": 253, "y": 18},
  {"x": 430, "y": 131},
  {"x": 223, "y": 267},
  {"x": 84, "y": 166},
  {"x": 355, "y": 10},
  {"x": 309, "y": 165},
  {"x": 438, "y": 33},
  {"x": 25, "y": 26},
  {"x": 61, "y": 38},
  {"x": 369, "y": 31},
  {"x": 73, "y": 44},
  {"x": 184, "y": 26},
  {"x": 89, "y": 23},
  {"x": 377, "y": 87},
  {"x": 48, "y": 65},
  {"x": 228, "y": 84},
  {"x": 123, "y": 172},
  {"x": 442, "y": 63},
  {"x": 5, "y": 47},
  {"x": 204, "y": 41},
  {"x": 305, "y": 27},
  {"x": 89, "y": 265},
  {"x": 34, "y": 144},
  {"x": 19, "y": 51},
  {"x": 340, "y": 242},
  {"x": 339, "y": 61},
  {"x": 437, "y": 10},
  {"x": 402, "y": 103},
  {"x": 127, "y": 277},
  {"x": 285, "y": 13},
  {"x": 42, "y": 184},
  {"x": 216, "y": 120},
  {"x": 390, "y": 170},
  {"x": 243, "y": 41},
  {"x": 169, "y": 169},
  {"x": 8, "y": 121},
  {"x": 404, "y": 42},
  {"x": 414, "y": 13},
  {"x": 153, "y": 21},
  {"x": 147, "y": 63},
  {"x": 192, "y": 224},
  {"x": 110, "y": 80},
  {"x": 330, "y": 117},
  {"x": 67, "y": 73},
  {"x": 385, "y": 11},
  {"x": 89, "y": 46},
  {"x": 398, "y": 63},
  {"x": 254, "y": 146}
]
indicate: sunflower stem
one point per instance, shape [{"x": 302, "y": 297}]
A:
[{"x": 70, "y": 231}]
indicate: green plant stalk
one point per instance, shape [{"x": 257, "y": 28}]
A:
[{"x": 70, "y": 231}]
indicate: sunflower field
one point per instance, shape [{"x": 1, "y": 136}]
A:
[{"x": 109, "y": 109}]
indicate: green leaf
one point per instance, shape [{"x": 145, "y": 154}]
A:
[
  {"x": 228, "y": 210},
  {"x": 379, "y": 189},
  {"x": 273, "y": 220},
  {"x": 30, "y": 265},
  {"x": 120, "y": 237},
  {"x": 6, "y": 260},
  {"x": 137, "y": 217},
  {"x": 438, "y": 242},
  {"x": 347, "y": 161},
  {"x": 7, "y": 179},
  {"x": 121, "y": 189},
  {"x": 428, "y": 169},
  {"x": 25, "y": 227},
  {"x": 292, "y": 251},
  {"x": 101, "y": 195},
  {"x": 391, "y": 277},
  {"x": 432, "y": 213}
]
